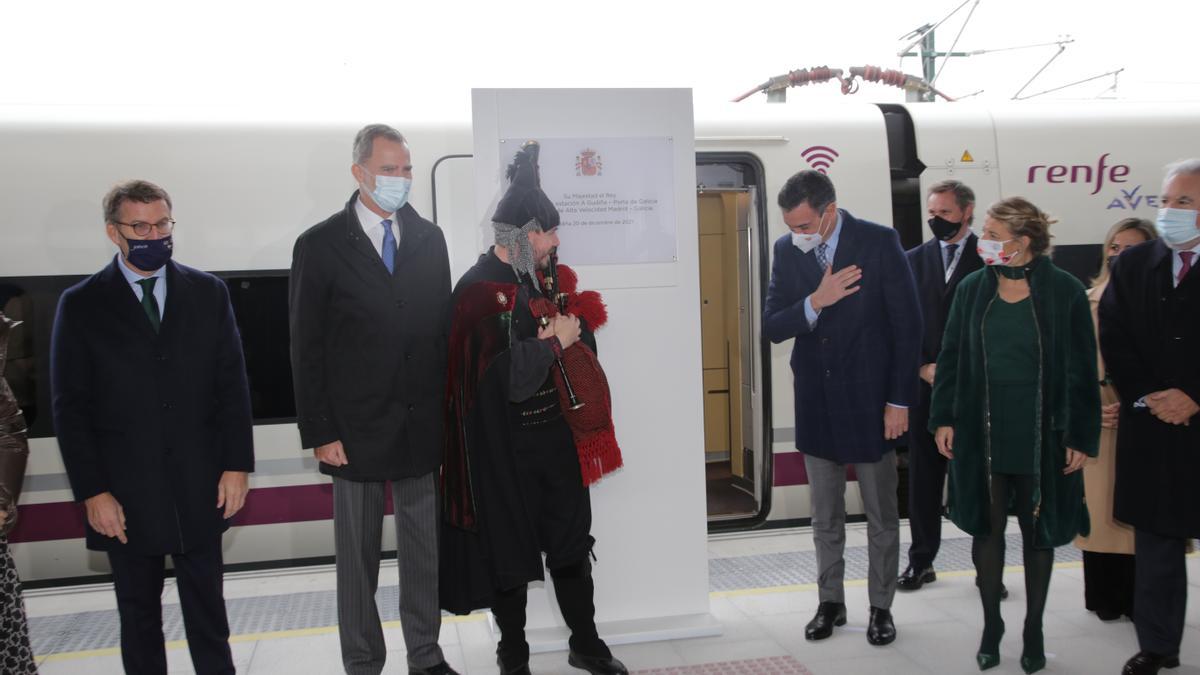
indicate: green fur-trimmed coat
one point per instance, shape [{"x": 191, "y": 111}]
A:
[{"x": 1070, "y": 401}]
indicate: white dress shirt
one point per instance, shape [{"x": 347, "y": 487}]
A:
[{"x": 372, "y": 225}]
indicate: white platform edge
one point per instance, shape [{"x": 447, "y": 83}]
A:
[{"x": 631, "y": 631}]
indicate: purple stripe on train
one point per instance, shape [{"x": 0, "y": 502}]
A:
[{"x": 264, "y": 506}]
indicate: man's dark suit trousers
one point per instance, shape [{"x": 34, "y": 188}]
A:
[{"x": 138, "y": 581}]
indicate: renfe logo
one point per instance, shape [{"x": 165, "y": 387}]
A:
[
  {"x": 819, "y": 157},
  {"x": 1080, "y": 173}
]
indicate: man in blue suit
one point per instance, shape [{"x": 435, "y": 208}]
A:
[
  {"x": 842, "y": 288},
  {"x": 152, "y": 414}
]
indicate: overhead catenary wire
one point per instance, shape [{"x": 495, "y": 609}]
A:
[{"x": 954, "y": 44}]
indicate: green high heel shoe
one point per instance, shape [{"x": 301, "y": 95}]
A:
[
  {"x": 988, "y": 655},
  {"x": 1033, "y": 656},
  {"x": 1032, "y": 664},
  {"x": 986, "y": 661}
]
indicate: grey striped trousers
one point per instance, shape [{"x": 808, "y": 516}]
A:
[{"x": 358, "y": 510}]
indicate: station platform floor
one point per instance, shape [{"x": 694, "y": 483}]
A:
[{"x": 762, "y": 592}]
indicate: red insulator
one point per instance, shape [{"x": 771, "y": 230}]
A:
[
  {"x": 894, "y": 78},
  {"x": 799, "y": 78}
]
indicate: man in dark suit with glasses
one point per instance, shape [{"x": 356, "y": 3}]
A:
[{"x": 152, "y": 414}]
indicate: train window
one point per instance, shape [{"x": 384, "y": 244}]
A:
[{"x": 260, "y": 307}]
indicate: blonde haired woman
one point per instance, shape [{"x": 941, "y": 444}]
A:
[
  {"x": 1016, "y": 409},
  {"x": 1108, "y": 567}
]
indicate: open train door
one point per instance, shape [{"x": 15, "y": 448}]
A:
[{"x": 731, "y": 284}]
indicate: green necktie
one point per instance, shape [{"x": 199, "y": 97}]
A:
[{"x": 149, "y": 303}]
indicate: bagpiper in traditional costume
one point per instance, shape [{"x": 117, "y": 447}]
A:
[{"x": 528, "y": 429}]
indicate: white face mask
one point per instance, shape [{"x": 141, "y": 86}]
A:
[
  {"x": 807, "y": 242},
  {"x": 992, "y": 252},
  {"x": 1176, "y": 226},
  {"x": 390, "y": 193}
]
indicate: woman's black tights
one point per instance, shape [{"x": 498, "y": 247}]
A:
[{"x": 988, "y": 551}]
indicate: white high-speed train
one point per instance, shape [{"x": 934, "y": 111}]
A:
[{"x": 245, "y": 185}]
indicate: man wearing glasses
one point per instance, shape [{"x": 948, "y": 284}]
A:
[{"x": 152, "y": 413}]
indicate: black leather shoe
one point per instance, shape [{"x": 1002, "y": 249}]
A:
[
  {"x": 442, "y": 668},
  {"x": 881, "y": 630},
  {"x": 1148, "y": 663},
  {"x": 829, "y": 614},
  {"x": 913, "y": 580},
  {"x": 522, "y": 669},
  {"x": 597, "y": 665}
]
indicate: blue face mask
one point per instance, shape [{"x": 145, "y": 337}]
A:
[
  {"x": 391, "y": 192},
  {"x": 149, "y": 254},
  {"x": 1176, "y": 226}
]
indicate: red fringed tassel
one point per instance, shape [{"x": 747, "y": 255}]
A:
[
  {"x": 599, "y": 455},
  {"x": 590, "y": 307},
  {"x": 568, "y": 281},
  {"x": 587, "y": 305}
]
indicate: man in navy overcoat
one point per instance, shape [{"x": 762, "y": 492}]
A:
[
  {"x": 152, "y": 414},
  {"x": 841, "y": 287}
]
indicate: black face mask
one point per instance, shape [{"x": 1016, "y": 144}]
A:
[{"x": 943, "y": 229}]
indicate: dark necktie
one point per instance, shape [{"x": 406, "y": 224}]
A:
[
  {"x": 149, "y": 302},
  {"x": 389, "y": 246},
  {"x": 823, "y": 255},
  {"x": 1186, "y": 257},
  {"x": 949, "y": 251}
]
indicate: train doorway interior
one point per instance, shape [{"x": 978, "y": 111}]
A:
[{"x": 733, "y": 262}]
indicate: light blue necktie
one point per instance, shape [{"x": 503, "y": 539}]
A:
[
  {"x": 823, "y": 255},
  {"x": 389, "y": 246},
  {"x": 951, "y": 249}
]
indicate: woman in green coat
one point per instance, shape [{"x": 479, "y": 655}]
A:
[{"x": 1016, "y": 408}]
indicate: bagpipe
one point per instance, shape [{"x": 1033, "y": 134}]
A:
[{"x": 582, "y": 385}]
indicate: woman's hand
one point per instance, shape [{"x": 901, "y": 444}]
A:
[
  {"x": 1075, "y": 460},
  {"x": 944, "y": 437},
  {"x": 1109, "y": 414}
]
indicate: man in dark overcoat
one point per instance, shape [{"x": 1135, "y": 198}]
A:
[
  {"x": 152, "y": 414},
  {"x": 368, "y": 296},
  {"x": 1150, "y": 340}
]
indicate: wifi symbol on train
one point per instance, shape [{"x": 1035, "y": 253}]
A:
[{"x": 820, "y": 157}]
